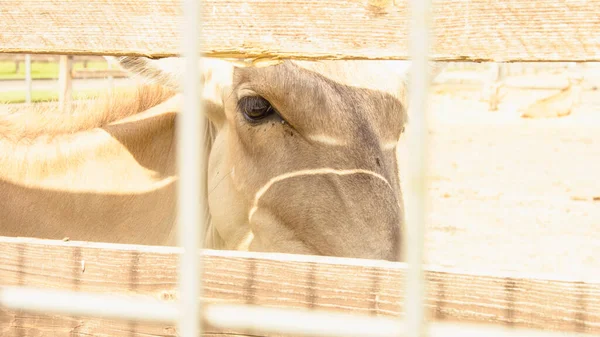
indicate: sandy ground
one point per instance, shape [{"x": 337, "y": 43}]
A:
[{"x": 513, "y": 194}]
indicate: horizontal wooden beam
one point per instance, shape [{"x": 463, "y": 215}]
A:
[
  {"x": 285, "y": 281},
  {"x": 466, "y": 30}
]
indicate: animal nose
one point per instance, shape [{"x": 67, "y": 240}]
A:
[
  {"x": 394, "y": 232},
  {"x": 346, "y": 213},
  {"x": 377, "y": 216}
]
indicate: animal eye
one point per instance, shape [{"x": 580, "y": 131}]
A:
[{"x": 255, "y": 108}]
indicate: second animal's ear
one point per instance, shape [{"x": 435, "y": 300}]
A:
[
  {"x": 165, "y": 72},
  {"x": 216, "y": 76}
]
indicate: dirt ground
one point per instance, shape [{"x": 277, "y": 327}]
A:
[{"x": 511, "y": 194}]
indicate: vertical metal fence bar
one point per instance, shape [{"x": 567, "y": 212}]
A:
[
  {"x": 190, "y": 159},
  {"x": 420, "y": 11}
]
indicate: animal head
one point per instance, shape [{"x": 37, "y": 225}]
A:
[{"x": 304, "y": 154}]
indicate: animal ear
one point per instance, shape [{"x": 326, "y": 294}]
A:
[
  {"x": 216, "y": 76},
  {"x": 166, "y": 72}
]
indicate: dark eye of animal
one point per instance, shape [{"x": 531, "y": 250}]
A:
[{"x": 255, "y": 108}]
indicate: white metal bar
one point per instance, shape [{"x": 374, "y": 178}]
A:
[
  {"x": 256, "y": 320},
  {"x": 330, "y": 324},
  {"x": 87, "y": 304},
  {"x": 27, "y": 78},
  {"x": 417, "y": 141},
  {"x": 242, "y": 317},
  {"x": 190, "y": 157}
]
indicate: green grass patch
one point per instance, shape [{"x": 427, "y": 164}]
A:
[
  {"x": 41, "y": 70},
  {"x": 11, "y": 97}
]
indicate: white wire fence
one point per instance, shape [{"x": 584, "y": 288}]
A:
[{"x": 187, "y": 312}]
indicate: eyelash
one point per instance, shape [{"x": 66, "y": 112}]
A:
[{"x": 256, "y": 108}]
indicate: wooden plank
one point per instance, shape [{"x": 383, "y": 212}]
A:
[
  {"x": 285, "y": 281},
  {"x": 479, "y": 30}
]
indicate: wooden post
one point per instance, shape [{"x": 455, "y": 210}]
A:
[
  {"x": 576, "y": 81},
  {"x": 28, "y": 78},
  {"x": 492, "y": 86},
  {"x": 64, "y": 81},
  {"x": 111, "y": 82}
]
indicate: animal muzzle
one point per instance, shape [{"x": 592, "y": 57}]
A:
[{"x": 346, "y": 213}]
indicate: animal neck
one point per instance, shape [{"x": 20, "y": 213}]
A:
[
  {"x": 47, "y": 147},
  {"x": 99, "y": 159}
]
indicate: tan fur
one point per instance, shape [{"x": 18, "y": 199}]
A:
[
  {"x": 102, "y": 173},
  {"x": 30, "y": 122},
  {"x": 322, "y": 181}
]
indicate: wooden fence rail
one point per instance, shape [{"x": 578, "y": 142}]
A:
[
  {"x": 285, "y": 281},
  {"x": 511, "y": 30}
]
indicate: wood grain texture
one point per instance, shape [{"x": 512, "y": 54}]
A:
[
  {"x": 511, "y": 30},
  {"x": 284, "y": 281}
]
